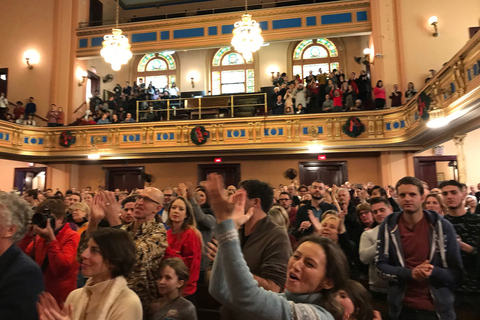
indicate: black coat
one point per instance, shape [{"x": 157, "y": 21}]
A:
[{"x": 21, "y": 282}]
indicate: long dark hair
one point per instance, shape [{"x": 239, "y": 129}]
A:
[
  {"x": 337, "y": 271},
  {"x": 189, "y": 221}
]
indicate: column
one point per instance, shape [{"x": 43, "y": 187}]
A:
[{"x": 459, "y": 140}]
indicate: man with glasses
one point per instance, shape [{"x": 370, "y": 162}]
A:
[
  {"x": 285, "y": 200},
  {"x": 149, "y": 236},
  {"x": 168, "y": 196}
]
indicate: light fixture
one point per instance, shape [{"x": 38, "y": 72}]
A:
[
  {"x": 81, "y": 76},
  {"x": 116, "y": 49},
  {"x": 31, "y": 57},
  {"x": 192, "y": 81},
  {"x": 247, "y": 36},
  {"x": 433, "y": 20},
  {"x": 168, "y": 52},
  {"x": 93, "y": 156},
  {"x": 315, "y": 148},
  {"x": 366, "y": 51}
]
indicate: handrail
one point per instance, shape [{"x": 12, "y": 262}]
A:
[
  {"x": 185, "y": 104},
  {"x": 34, "y": 115},
  {"x": 84, "y": 103}
]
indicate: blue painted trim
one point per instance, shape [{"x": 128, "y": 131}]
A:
[
  {"x": 144, "y": 37},
  {"x": 263, "y": 25},
  {"x": 188, "y": 33},
  {"x": 287, "y": 23},
  {"x": 273, "y": 132},
  {"x": 280, "y": 131},
  {"x": 475, "y": 70},
  {"x": 389, "y": 127},
  {"x": 40, "y": 141},
  {"x": 171, "y": 136},
  {"x": 8, "y": 137},
  {"x": 25, "y": 140},
  {"x": 320, "y": 130},
  {"x": 104, "y": 139},
  {"x": 33, "y": 140},
  {"x": 242, "y": 133},
  {"x": 212, "y": 31},
  {"x": 229, "y": 133},
  {"x": 311, "y": 21},
  {"x": 305, "y": 130},
  {"x": 1, "y": 135},
  {"x": 227, "y": 28},
  {"x": 396, "y": 125},
  {"x": 452, "y": 87},
  {"x": 362, "y": 16},
  {"x": 402, "y": 124},
  {"x": 236, "y": 133},
  {"x": 266, "y": 132},
  {"x": 83, "y": 43},
  {"x": 96, "y": 42},
  {"x": 469, "y": 75},
  {"x": 337, "y": 18},
  {"x": 165, "y": 35}
]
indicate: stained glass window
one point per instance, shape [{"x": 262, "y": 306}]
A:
[
  {"x": 156, "y": 65},
  {"x": 315, "y": 52},
  {"x": 310, "y": 55},
  {"x": 170, "y": 60},
  {"x": 171, "y": 79},
  {"x": 232, "y": 59},
  {"x": 143, "y": 61},
  {"x": 231, "y": 73}
]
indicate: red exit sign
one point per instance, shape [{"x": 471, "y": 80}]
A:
[
  {"x": 322, "y": 157},
  {"x": 217, "y": 160}
]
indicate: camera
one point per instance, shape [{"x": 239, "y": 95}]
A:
[{"x": 40, "y": 219}]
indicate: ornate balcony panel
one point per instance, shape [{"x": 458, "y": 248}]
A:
[{"x": 289, "y": 23}]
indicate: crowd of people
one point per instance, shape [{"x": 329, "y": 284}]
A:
[
  {"x": 332, "y": 92},
  {"x": 294, "y": 252},
  {"x": 320, "y": 93}
]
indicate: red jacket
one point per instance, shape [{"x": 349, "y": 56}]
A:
[
  {"x": 60, "y": 274},
  {"x": 186, "y": 245}
]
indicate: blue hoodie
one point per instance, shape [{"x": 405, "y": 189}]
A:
[{"x": 444, "y": 256}]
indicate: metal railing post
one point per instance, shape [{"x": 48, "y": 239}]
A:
[{"x": 168, "y": 110}]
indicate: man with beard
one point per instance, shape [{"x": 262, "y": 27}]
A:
[
  {"x": 418, "y": 254},
  {"x": 285, "y": 200},
  {"x": 467, "y": 226},
  {"x": 317, "y": 206},
  {"x": 128, "y": 207}
]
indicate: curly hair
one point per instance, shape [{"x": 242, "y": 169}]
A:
[{"x": 15, "y": 211}]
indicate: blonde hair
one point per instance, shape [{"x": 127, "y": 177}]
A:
[
  {"x": 279, "y": 216},
  {"x": 329, "y": 213},
  {"x": 330, "y": 217},
  {"x": 81, "y": 206}
]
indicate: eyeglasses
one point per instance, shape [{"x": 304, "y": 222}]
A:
[
  {"x": 283, "y": 199},
  {"x": 147, "y": 199}
]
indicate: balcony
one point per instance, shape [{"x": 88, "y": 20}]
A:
[{"x": 454, "y": 94}]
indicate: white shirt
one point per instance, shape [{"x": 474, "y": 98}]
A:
[{"x": 3, "y": 102}]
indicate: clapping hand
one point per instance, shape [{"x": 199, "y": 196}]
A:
[
  {"x": 224, "y": 209},
  {"x": 422, "y": 271},
  {"x": 317, "y": 226},
  {"x": 48, "y": 309}
]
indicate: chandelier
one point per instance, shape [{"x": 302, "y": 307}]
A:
[
  {"x": 116, "y": 49},
  {"x": 247, "y": 36}
]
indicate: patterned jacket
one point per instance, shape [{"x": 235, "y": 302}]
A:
[{"x": 151, "y": 241}]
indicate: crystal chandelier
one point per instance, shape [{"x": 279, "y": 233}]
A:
[
  {"x": 116, "y": 49},
  {"x": 247, "y": 36}
]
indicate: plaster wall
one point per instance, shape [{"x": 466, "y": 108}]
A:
[{"x": 472, "y": 154}]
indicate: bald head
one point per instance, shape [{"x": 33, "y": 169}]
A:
[
  {"x": 154, "y": 194},
  {"x": 149, "y": 202}
]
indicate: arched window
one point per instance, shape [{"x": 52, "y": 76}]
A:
[
  {"x": 310, "y": 55},
  {"x": 160, "y": 68},
  {"x": 231, "y": 73}
]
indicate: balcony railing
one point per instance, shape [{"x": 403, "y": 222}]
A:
[{"x": 223, "y": 106}]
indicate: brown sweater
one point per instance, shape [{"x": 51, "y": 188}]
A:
[{"x": 266, "y": 251}]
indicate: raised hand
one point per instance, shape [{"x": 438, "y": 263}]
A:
[
  {"x": 112, "y": 208},
  {"x": 212, "y": 248},
  {"x": 97, "y": 211},
  {"x": 223, "y": 208},
  {"x": 315, "y": 222}
]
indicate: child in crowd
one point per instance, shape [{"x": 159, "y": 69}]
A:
[{"x": 174, "y": 275}]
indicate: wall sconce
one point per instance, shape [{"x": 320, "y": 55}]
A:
[
  {"x": 82, "y": 76},
  {"x": 433, "y": 20},
  {"x": 31, "y": 57},
  {"x": 192, "y": 81}
]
